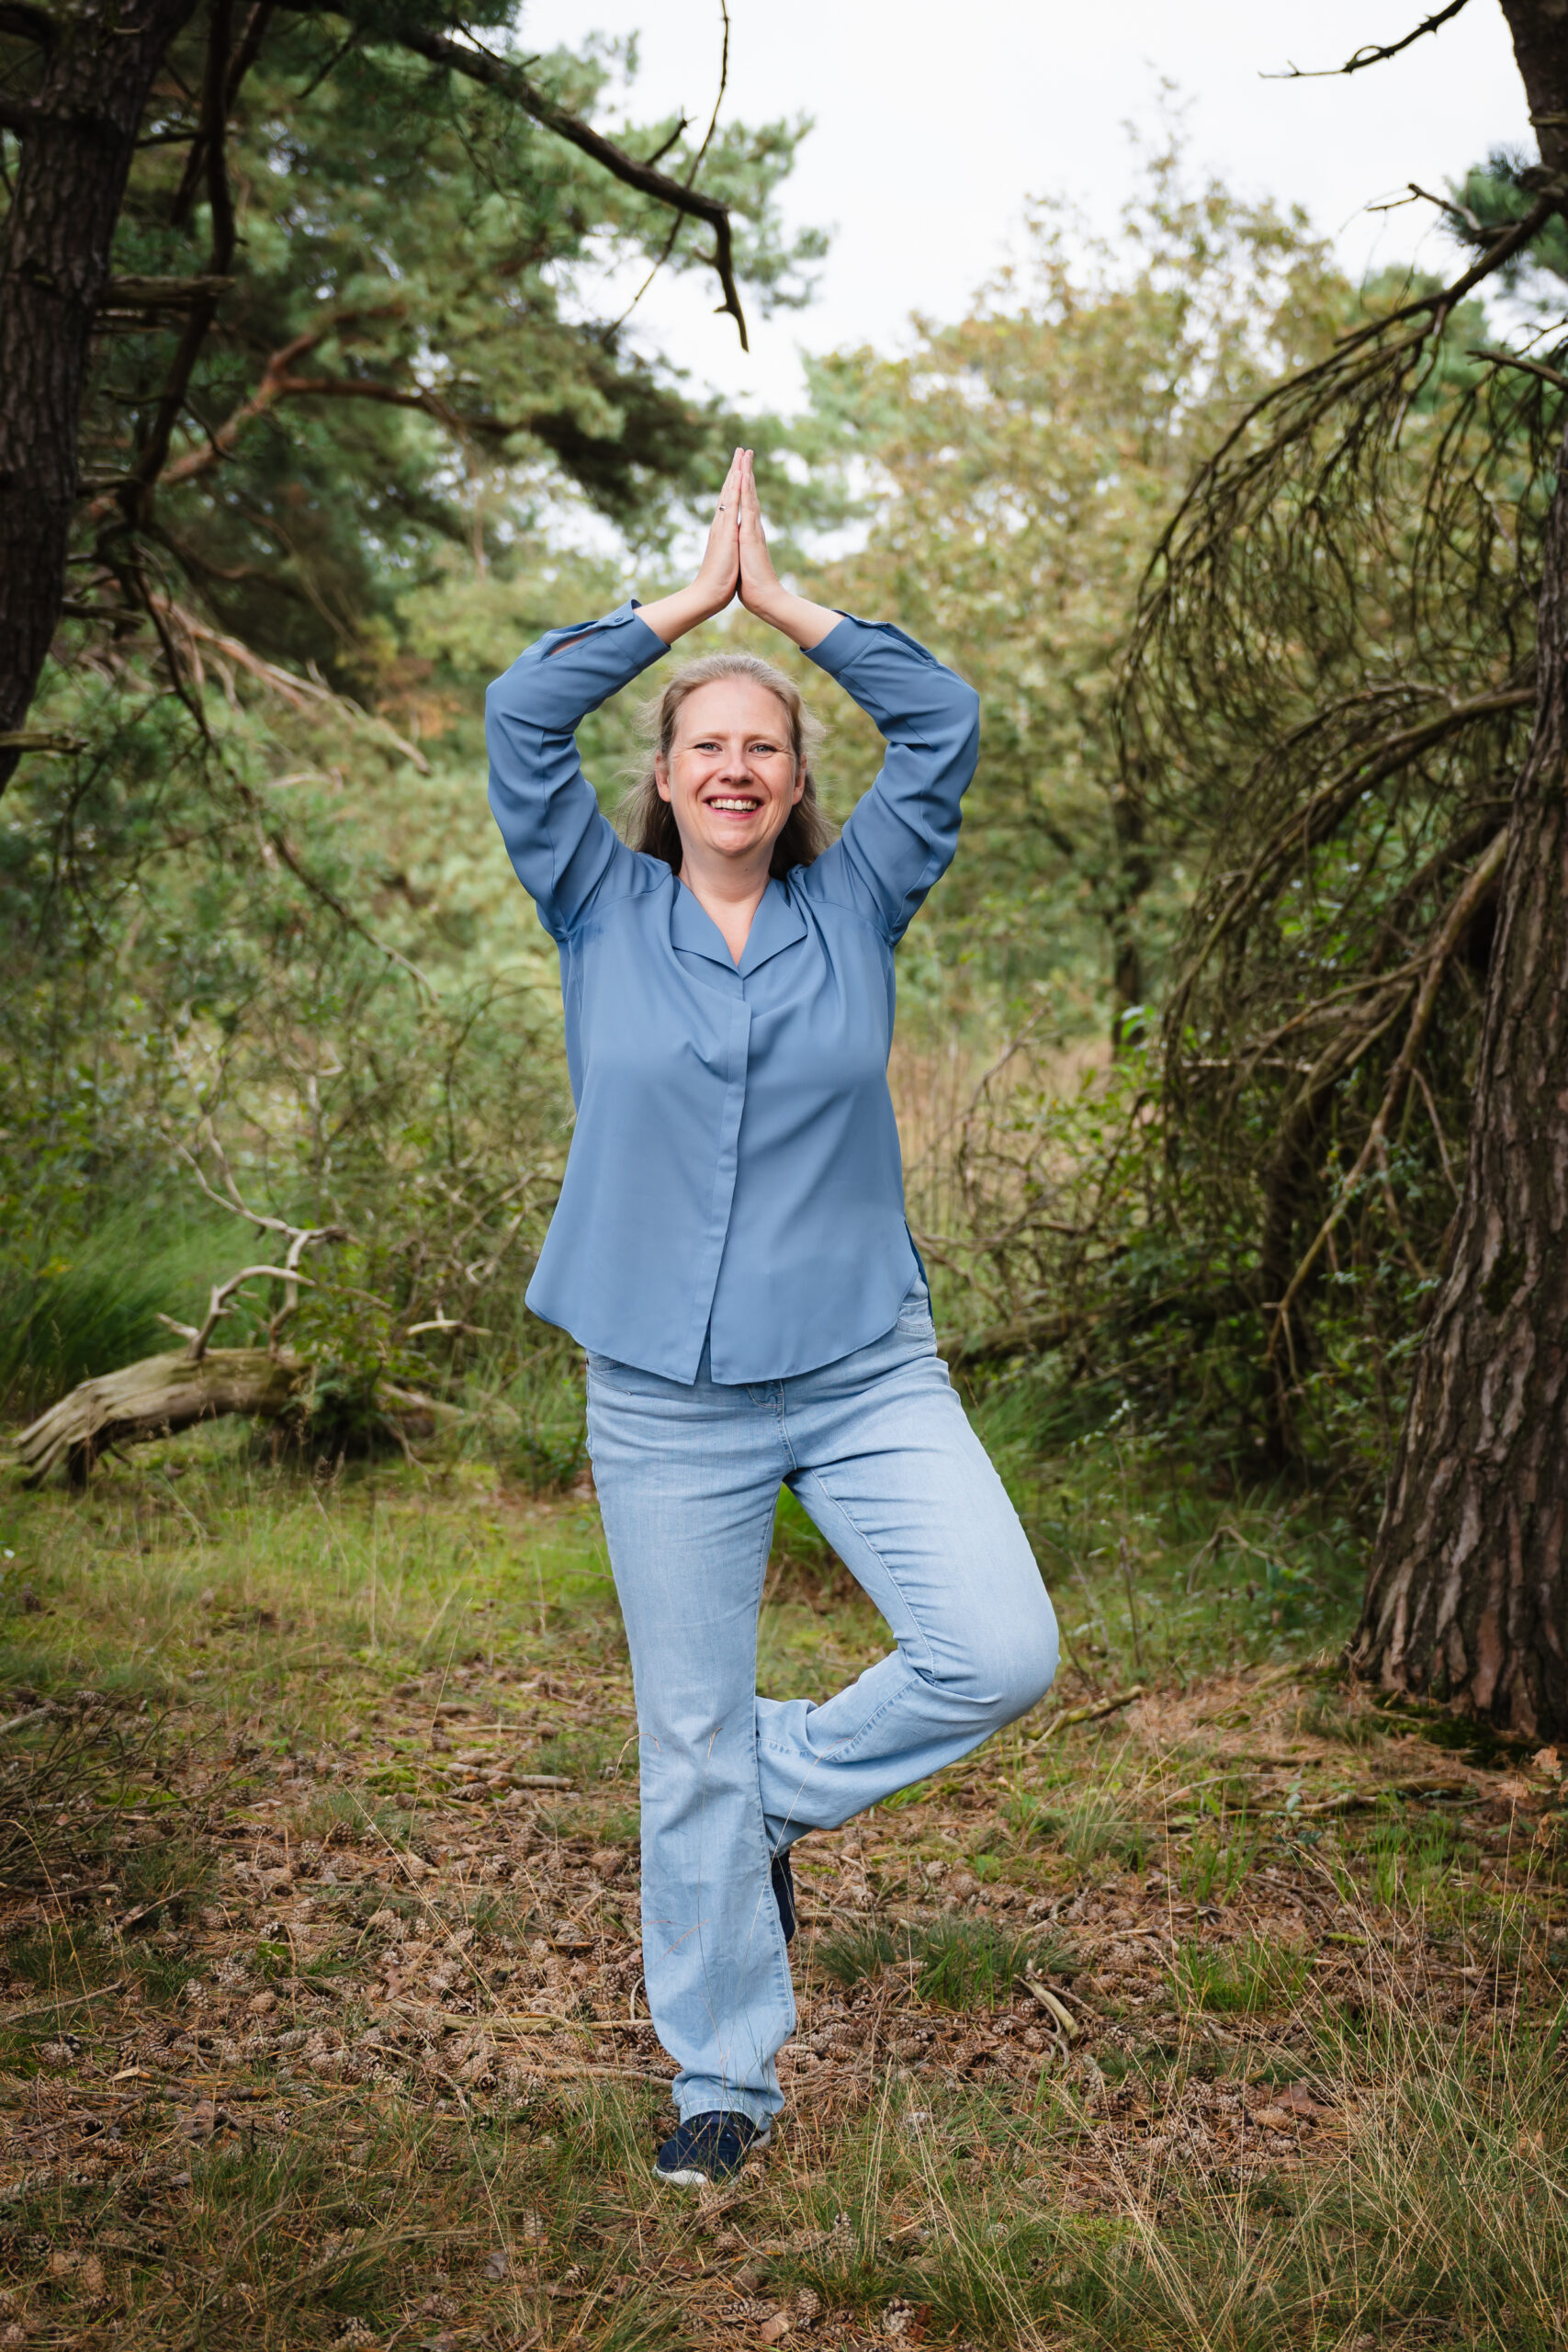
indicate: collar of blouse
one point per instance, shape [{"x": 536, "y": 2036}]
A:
[{"x": 777, "y": 924}]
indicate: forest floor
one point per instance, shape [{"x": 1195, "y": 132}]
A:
[{"x": 1228, "y": 2016}]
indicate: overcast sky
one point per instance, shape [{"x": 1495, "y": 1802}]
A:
[{"x": 934, "y": 124}]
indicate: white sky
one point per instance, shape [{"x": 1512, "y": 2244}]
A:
[{"x": 934, "y": 123}]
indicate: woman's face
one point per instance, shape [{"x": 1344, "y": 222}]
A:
[{"x": 730, "y": 779}]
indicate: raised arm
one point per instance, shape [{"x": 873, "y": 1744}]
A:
[
  {"x": 561, "y": 846},
  {"x": 902, "y": 835}
]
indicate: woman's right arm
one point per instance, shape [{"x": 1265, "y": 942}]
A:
[{"x": 560, "y": 843}]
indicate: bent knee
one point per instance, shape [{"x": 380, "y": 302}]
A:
[
  {"x": 1030, "y": 1677},
  {"x": 1011, "y": 1675}
]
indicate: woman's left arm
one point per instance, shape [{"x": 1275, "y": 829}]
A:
[{"x": 901, "y": 835}]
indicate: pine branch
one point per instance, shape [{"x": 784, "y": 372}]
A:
[{"x": 499, "y": 73}]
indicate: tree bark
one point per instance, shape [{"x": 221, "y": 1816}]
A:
[
  {"x": 1467, "y": 1601},
  {"x": 77, "y": 135}
]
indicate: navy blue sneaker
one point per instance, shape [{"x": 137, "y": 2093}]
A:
[
  {"x": 784, "y": 1893},
  {"x": 709, "y": 2147}
]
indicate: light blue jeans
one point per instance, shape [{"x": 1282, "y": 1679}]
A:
[{"x": 878, "y": 1451}]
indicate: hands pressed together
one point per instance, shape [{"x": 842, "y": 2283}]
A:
[{"x": 736, "y": 561}]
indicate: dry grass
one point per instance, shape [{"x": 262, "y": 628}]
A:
[{"x": 320, "y": 2018}]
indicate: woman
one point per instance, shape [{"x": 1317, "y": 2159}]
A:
[{"x": 730, "y": 1249}]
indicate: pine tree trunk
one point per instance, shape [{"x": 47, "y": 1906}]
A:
[
  {"x": 78, "y": 135},
  {"x": 1468, "y": 1596}
]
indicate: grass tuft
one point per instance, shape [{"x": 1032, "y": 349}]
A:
[
  {"x": 1246, "y": 1977},
  {"x": 951, "y": 1963}
]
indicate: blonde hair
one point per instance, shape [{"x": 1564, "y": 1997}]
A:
[{"x": 648, "y": 819}]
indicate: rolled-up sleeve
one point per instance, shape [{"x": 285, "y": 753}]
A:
[
  {"x": 563, "y": 849},
  {"x": 903, "y": 832}
]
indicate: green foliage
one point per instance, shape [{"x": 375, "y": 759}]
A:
[
  {"x": 1025, "y": 460},
  {"x": 246, "y": 907},
  {"x": 1410, "y": 1860},
  {"x": 397, "y": 367},
  {"x": 970, "y": 1964},
  {"x": 68, "y": 1318},
  {"x": 1492, "y": 196}
]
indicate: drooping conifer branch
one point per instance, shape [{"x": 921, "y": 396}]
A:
[{"x": 500, "y": 74}]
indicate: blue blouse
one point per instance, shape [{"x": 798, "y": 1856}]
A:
[{"x": 734, "y": 1175}]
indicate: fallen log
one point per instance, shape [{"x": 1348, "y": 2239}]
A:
[
  {"x": 154, "y": 1397},
  {"x": 159, "y": 1395}
]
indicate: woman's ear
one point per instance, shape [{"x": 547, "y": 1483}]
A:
[
  {"x": 661, "y": 775},
  {"x": 799, "y": 785}
]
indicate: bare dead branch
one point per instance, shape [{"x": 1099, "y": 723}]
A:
[
  {"x": 679, "y": 221},
  {"x": 153, "y": 1399},
  {"x": 1371, "y": 53},
  {"x": 222, "y": 1298},
  {"x": 300, "y": 693},
  {"x": 1438, "y": 1136},
  {"x": 38, "y": 739}
]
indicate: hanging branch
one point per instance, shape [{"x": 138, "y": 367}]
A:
[
  {"x": 1371, "y": 54},
  {"x": 679, "y": 221},
  {"x": 1326, "y": 694},
  {"x": 1461, "y": 916},
  {"x": 501, "y": 75},
  {"x": 136, "y": 492},
  {"x": 245, "y": 55}
]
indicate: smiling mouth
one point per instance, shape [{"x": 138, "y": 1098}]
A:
[{"x": 735, "y": 806}]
